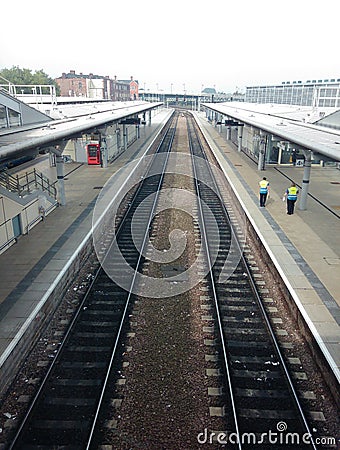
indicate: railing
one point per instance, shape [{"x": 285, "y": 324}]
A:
[
  {"x": 7, "y": 243},
  {"x": 4, "y": 232},
  {"x": 39, "y": 93},
  {"x": 42, "y": 213},
  {"x": 27, "y": 183}
]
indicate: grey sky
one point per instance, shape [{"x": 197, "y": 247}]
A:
[{"x": 188, "y": 44}]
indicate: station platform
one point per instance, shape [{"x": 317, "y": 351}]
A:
[
  {"x": 306, "y": 244},
  {"x": 29, "y": 267}
]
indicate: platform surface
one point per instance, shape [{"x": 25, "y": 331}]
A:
[{"x": 30, "y": 266}]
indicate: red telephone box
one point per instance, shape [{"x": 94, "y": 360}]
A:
[{"x": 93, "y": 154}]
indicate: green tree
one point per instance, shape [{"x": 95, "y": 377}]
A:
[{"x": 16, "y": 75}]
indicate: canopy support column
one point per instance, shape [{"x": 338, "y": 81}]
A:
[{"x": 305, "y": 182}]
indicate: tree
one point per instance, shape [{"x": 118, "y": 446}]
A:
[{"x": 16, "y": 75}]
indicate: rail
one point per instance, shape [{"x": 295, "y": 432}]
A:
[
  {"x": 38, "y": 93},
  {"x": 213, "y": 287},
  {"x": 27, "y": 183},
  {"x": 219, "y": 292},
  {"x": 41, "y": 216},
  {"x": 84, "y": 427},
  {"x": 7, "y": 243}
]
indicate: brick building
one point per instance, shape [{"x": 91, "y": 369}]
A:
[{"x": 97, "y": 86}]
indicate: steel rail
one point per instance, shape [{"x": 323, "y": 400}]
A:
[
  {"x": 155, "y": 201},
  {"x": 215, "y": 297},
  {"x": 75, "y": 319},
  {"x": 264, "y": 314}
]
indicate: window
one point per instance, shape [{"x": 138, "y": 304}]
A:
[
  {"x": 14, "y": 118},
  {"x": 3, "y": 118}
]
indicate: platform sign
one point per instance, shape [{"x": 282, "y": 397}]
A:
[
  {"x": 130, "y": 121},
  {"x": 232, "y": 123}
]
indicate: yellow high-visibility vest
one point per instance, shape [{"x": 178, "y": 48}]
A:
[
  {"x": 292, "y": 193},
  {"x": 263, "y": 186}
]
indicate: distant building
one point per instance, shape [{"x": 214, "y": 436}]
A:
[
  {"x": 316, "y": 93},
  {"x": 211, "y": 95},
  {"x": 209, "y": 91},
  {"x": 134, "y": 93},
  {"x": 120, "y": 90},
  {"x": 97, "y": 87}
]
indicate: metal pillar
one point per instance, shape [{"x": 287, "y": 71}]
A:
[
  {"x": 279, "y": 158},
  {"x": 60, "y": 178},
  {"x": 302, "y": 205},
  {"x": 149, "y": 122},
  {"x": 103, "y": 151},
  {"x": 57, "y": 151},
  {"x": 262, "y": 153},
  {"x": 103, "y": 147},
  {"x": 118, "y": 138},
  {"x": 269, "y": 147},
  {"x": 239, "y": 132},
  {"x": 124, "y": 137},
  {"x": 228, "y": 130},
  {"x": 51, "y": 157}
]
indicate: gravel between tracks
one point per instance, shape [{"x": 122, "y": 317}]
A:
[{"x": 165, "y": 396}]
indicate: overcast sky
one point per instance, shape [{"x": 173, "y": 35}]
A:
[{"x": 186, "y": 43}]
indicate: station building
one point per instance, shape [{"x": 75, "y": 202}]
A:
[{"x": 315, "y": 93}]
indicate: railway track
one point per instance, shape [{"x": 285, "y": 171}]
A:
[
  {"x": 261, "y": 394},
  {"x": 67, "y": 406},
  {"x": 254, "y": 395}
]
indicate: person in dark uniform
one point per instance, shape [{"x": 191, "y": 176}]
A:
[
  {"x": 264, "y": 189},
  {"x": 291, "y": 195}
]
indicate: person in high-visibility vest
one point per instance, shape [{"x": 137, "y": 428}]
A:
[
  {"x": 264, "y": 189},
  {"x": 291, "y": 195}
]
